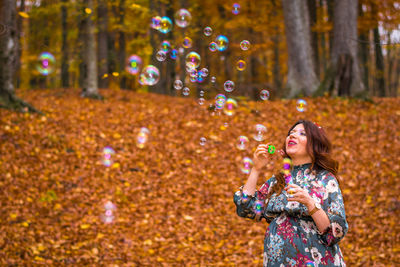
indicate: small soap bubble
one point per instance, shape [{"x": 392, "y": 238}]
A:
[
  {"x": 161, "y": 56},
  {"x": 165, "y": 46},
  {"x": 213, "y": 46},
  {"x": 178, "y": 84},
  {"x": 247, "y": 164},
  {"x": 230, "y": 106},
  {"x": 287, "y": 165},
  {"x": 207, "y": 31},
  {"x": 264, "y": 94},
  {"x": 187, "y": 42},
  {"x": 165, "y": 25},
  {"x": 201, "y": 93},
  {"x": 309, "y": 264},
  {"x": 240, "y": 65},
  {"x": 108, "y": 153},
  {"x": 229, "y": 86},
  {"x": 301, "y": 105},
  {"x": 45, "y": 64},
  {"x": 220, "y": 100},
  {"x": 174, "y": 54},
  {"x": 213, "y": 79},
  {"x": 235, "y": 9},
  {"x": 182, "y": 18},
  {"x": 150, "y": 75},
  {"x": 109, "y": 206},
  {"x": 156, "y": 23},
  {"x": 193, "y": 79},
  {"x": 201, "y": 101},
  {"x": 259, "y": 132},
  {"x": 203, "y": 141},
  {"x": 204, "y": 72},
  {"x": 245, "y": 45},
  {"x": 142, "y": 137},
  {"x": 242, "y": 143},
  {"x": 222, "y": 42},
  {"x": 193, "y": 60},
  {"x": 186, "y": 91}
]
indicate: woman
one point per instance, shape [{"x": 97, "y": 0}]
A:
[{"x": 307, "y": 217}]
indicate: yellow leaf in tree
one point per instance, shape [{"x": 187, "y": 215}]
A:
[{"x": 23, "y": 14}]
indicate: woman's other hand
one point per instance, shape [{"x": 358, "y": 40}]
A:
[{"x": 300, "y": 195}]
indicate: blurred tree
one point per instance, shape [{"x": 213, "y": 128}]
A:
[
  {"x": 8, "y": 45},
  {"x": 90, "y": 87},
  {"x": 301, "y": 77},
  {"x": 102, "y": 43},
  {"x": 64, "y": 46}
]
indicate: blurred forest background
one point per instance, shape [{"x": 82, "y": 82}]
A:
[
  {"x": 313, "y": 47},
  {"x": 146, "y": 177}
]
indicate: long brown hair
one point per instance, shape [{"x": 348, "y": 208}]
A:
[{"x": 318, "y": 147}]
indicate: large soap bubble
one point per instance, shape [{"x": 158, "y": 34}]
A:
[
  {"x": 149, "y": 76},
  {"x": 182, "y": 18}
]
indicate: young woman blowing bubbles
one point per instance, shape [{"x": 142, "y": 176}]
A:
[{"x": 307, "y": 217}]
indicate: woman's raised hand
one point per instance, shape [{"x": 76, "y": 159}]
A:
[{"x": 261, "y": 157}]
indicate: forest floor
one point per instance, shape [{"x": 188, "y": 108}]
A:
[{"x": 174, "y": 197}]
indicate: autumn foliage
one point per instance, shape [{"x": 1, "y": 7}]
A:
[{"x": 174, "y": 197}]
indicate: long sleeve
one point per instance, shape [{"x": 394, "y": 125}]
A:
[
  {"x": 334, "y": 208},
  {"x": 252, "y": 207}
]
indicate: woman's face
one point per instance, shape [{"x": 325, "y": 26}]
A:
[{"x": 296, "y": 143}]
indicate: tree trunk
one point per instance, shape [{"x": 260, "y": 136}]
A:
[
  {"x": 64, "y": 46},
  {"x": 121, "y": 45},
  {"x": 312, "y": 9},
  {"x": 90, "y": 87},
  {"x": 380, "y": 68},
  {"x": 102, "y": 42},
  {"x": 330, "y": 8},
  {"x": 301, "y": 75},
  {"x": 20, "y": 25},
  {"x": 364, "y": 52},
  {"x": 8, "y": 53},
  {"x": 344, "y": 50}
]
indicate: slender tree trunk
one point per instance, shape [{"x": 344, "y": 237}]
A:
[
  {"x": 102, "y": 42},
  {"x": 312, "y": 9},
  {"x": 390, "y": 61},
  {"x": 90, "y": 87},
  {"x": 364, "y": 51},
  {"x": 64, "y": 48},
  {"x": 20, "y": 25},
  {"x": 276, "y": 71},
  {"x": 121, "y": 45},
  {"x": 301, "y": 75},
  {"x": 380, "y": 67},
  {"x": 323, "y": 57},
  {"x": 347, "y": 77},
  {"x": 330, "y": 9},
  {"x": 8, "y": 53}
]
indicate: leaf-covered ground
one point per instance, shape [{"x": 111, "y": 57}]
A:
[{"x": 174, "y": 197}]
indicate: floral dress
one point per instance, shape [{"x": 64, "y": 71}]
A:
[{"x": 292, "y": 238}]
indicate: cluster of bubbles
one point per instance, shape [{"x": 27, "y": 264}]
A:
[
  {"x": 45, "y": 64},
  {"x": 164, "y": 24},
  {"x": 142, "y": 137},
  {"x": 107, "y": 159},
  {"x": 108, "y": 216}
]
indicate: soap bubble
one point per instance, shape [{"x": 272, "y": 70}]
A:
[
  {"x": 213, "y": 46},
  {"x": 108, "y": 216},
  {"x": 247, "y": 164},
  {"x": 187, "y": 42},
  {"x": 220, "y": 100},
  {"x": 156, "y": 23},
  {"x": 165, "y": 25},
  {"x": 245, "y": 45},
  {"x": 204, "y": 72},
  {"x": 161, "y": 56},
  {"x": 301, "y": 105},
  {"x": 222, "y": 42},
  {"x": 235, "y": 8},
  {"x": 201, "y": 93},
  {"x": 207, "y": 31},
  {"x": 309, "y": 264},
  {"x": 242, "y": 143},
  {"x": 201, "y": 101},
  {"x": 174, "y": 54},
  {"x": 264, "y": 94},
  {"x": 193, "y": 60},
  {"x": 182, "y": 18},
  {"x": 186, "y": 91},
  {"x": 45, "y": 64},
  {"x": 134, "y": 63},
  {"x": 213, "y": 79},
  {"x": 229, "y": 86},
  {"x": 108, "y": 153},
  {"x": 150, "y": 75},
  {"x": 259, "y": 132},
  {"x": 165, "y": 46},
  {"x": 287, "y": 165},
  {"x": 178, "y": 84},
  {"x": 203, "y": 141},
  {"x": 142, "y": 137},
  {"x": 241, "y": 65},
  {"x": 230, "y": 107}
]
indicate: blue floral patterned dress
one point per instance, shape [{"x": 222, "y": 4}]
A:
[{"x": 292, "y": 238}]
